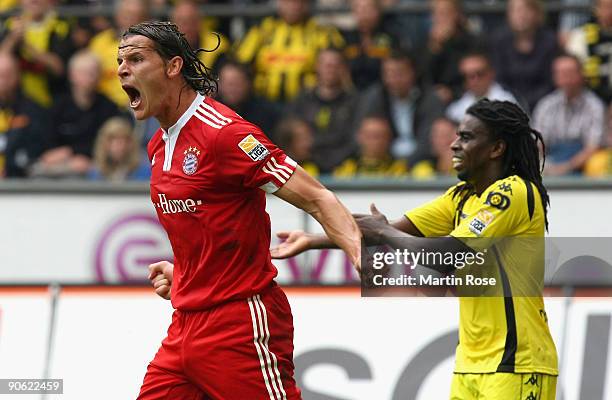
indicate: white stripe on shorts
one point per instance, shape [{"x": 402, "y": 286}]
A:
[
  {"x": 267, "y": 338},
  {"x": 261, "y": 345}
]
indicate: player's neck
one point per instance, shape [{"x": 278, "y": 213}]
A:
[
  {"x": 486, "y": 179},
  {"x": 175, "y": 107}
]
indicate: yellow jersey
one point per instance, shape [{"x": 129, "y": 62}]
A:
[
  {"x": 371, "y": 168},
  {"x": 599, "y": 165},
  {"x": 49, "y": 35},
  {"x": 504, "y": 333},
  {"x": 284, "y": 55},
  {"x": 208, "y": 41},
  {"x": 105, "y": 46}
]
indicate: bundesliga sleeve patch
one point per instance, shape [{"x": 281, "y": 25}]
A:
[
  {"x": 253, "y": 148},
  {"x": 481, "y": 221}
]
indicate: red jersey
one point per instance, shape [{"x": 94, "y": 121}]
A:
[{"x": 209, "y": 175}]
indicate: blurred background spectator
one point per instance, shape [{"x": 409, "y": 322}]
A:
[
  {"x": 571, "y": 19},
  {"x": 296, "y": 137},
  {"x": 22, "y": 122},
  {"x": 104, "y": 45},
  {"x": 76, "y": 119},
  {"x": 599, "y": 164},
  {"x": 8, "y": 5},
  {"x": 373, "y": 158},
  {"x": 447, "y": 42},
  {"x": 283, "y": 50},
  {"x": 571, "y": 119},
  {"x": 186, "y": 15},
  {"x": 523, "y": 51},
  {"x": 410, "y": 109},
  {"x": 368, "y": 44},
  {"x": 236, "y": 91},
  {"x": 592, "y": 43},
  {"x": 291, "y": 65},
  {"x": 479, "y": 78},
  {"x": 41, "y": 41},
  {"x": 117, "y": 155},
  {"x": 443, "y": 134},
  {"x": 330, "y": 108}
]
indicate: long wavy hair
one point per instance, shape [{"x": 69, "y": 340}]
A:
[{"x": 169, "y": 42}]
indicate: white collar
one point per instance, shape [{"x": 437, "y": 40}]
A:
[{"x": 182, "y": 121}]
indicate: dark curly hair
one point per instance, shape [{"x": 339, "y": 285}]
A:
[{"x": 170, "y": 42}]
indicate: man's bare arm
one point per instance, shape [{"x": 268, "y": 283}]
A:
[
  {"x": 296, "y": 242},
  {"x": 307, "y": 193}
]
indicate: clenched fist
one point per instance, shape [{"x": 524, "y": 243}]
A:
[{"x": 160, "y": 275}]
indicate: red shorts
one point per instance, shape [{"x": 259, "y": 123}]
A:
[{"x": 236, "y": 351}]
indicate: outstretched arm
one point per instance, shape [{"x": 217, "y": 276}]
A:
[
  {"x": 296, "y": 242},
  {"x": 306, "y": 193}
]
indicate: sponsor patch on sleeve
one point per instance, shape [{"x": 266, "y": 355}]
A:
[
  {"x": 481, "y": 221},
  {"x": 253, "y": 148}
]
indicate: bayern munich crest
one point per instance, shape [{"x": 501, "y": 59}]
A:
[{"x": 190, "y": 162}]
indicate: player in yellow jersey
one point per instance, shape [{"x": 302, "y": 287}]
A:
[{"x": 505, "y": 349}]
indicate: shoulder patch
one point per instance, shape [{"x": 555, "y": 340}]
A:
[
  {"x": 498, "y": 200},
  {"x": 481, "y": 221},
  {"x": 253, "y": 148}
]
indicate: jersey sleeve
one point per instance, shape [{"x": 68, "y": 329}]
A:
[
  {"x": 503, "y": 210},
  {"x": 435, "y": 218},
  {"x": 246, "y": 157}
]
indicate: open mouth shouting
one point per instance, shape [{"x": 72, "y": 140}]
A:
[{"x": 134, "y": 95}]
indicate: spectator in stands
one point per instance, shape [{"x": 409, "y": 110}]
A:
[
  {"x": 368, "y": 44},
  {"x": 117, "y": 155},
  {"x": 479, "y": 77},
  {"x": 22, "y": 122},
  {"x": 283, "y": 50},
  {"x": 236, "y": 91},
  {"x": 296, "y": 137},
  {"x": 330, "y": 109},
  {"x": 448, "y": 41},
  {"x": 373, "y": 158},
  {"x": 592, "y": 44},
  {"x": 523, "y": 51},
  {"x": 443, "y": 134},
  {"x": 76, "y": 119},
  {"x": 410, "y": 109},
  {"x": 186, "y": 15},
  {"x": 104, "y": 45},
  {"x": 41, "y": 42},
  {"x": 571, "y": 119},
  {"x": 570, "y": 20},
  {"x": 599, "y": 164}
]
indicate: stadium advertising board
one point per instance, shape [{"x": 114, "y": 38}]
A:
[{"x": 112, "y": 238}]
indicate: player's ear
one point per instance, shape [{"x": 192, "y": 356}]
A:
[
  {"x": 498, "y": 150},
  {"x": 174, "y": 66}
]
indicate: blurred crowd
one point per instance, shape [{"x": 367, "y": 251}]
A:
[{"x": 364, "y": 93}]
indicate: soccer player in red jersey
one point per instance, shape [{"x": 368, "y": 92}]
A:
[{"x": 231, "y": 335}]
